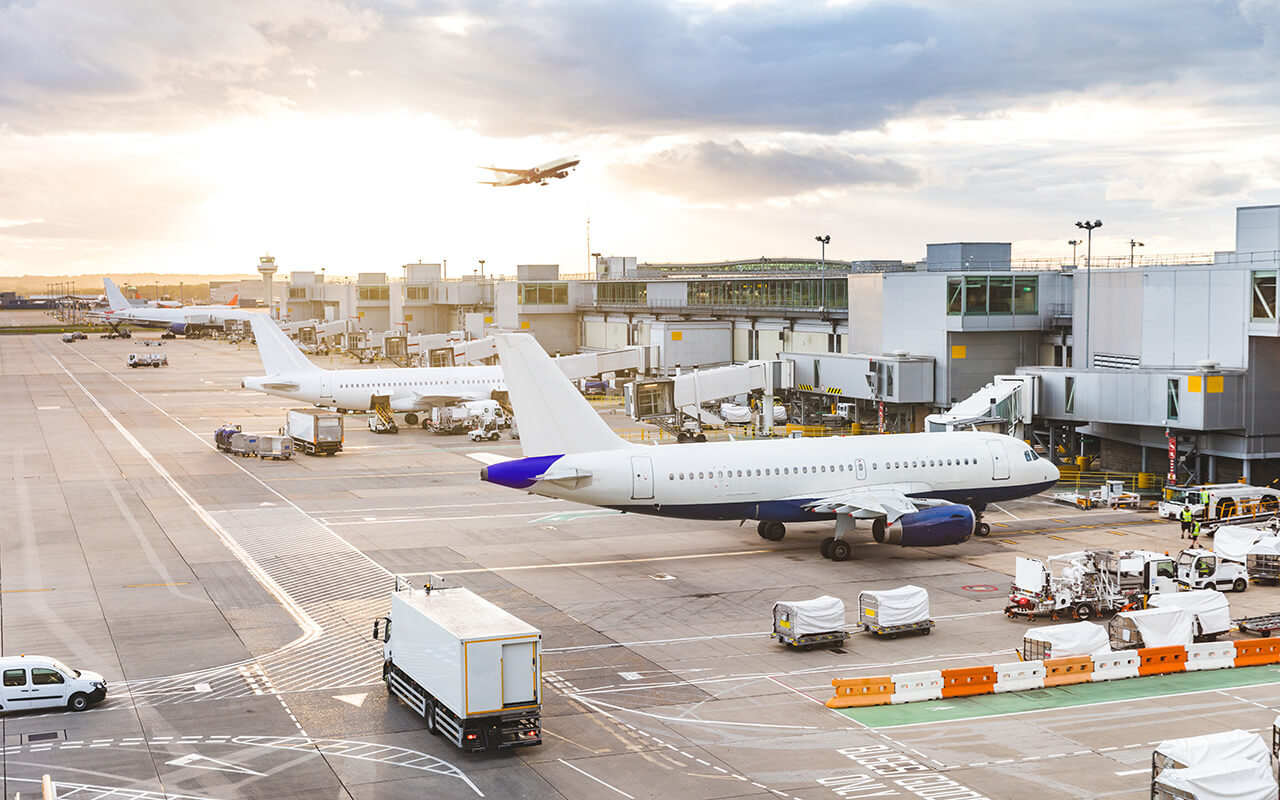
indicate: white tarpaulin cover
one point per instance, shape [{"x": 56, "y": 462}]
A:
[
  {"x": 1029, "y": 574},
  {"x": 1232, "y": 542},
  {"x": 1268, "y": 545},
  {"x": 1228, "y": 779},
  {"x": 902, "y": 606},
  {"x": 1162, "y": 627},
  {"x": 732, "y": 412},
  {"x": 1195, "y": 750},
  {"x": 1208, "y": 605},
  {"x": 820, "y": 615},
  {"x": 1072, "y": 639}
]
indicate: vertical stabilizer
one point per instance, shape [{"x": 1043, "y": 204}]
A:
[
  {"x": 115, "y": 300},
  {"x": 554, "y": 418},
  {"x": 280, "y": 356}
]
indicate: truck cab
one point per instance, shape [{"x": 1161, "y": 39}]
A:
[
  {"x": 1203, "y": 569},
  {"x": 29, "y": 682}
]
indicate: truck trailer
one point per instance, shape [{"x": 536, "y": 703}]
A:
[
  {"x": 315, "y": 430},
  {"x": 470, "y": 669}
]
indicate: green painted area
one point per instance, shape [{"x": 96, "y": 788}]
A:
[{"x": 1080, "y": 694}]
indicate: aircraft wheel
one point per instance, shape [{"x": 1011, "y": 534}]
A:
[
  {"x": 983, "y": 529},
  {"x": 773, "y": 531},
  {"x": 702, "y": 437},
  {"x": 411, "y": 419},
  {"x": 824, "y": 546},
  {"x": 839, "y": 550}
]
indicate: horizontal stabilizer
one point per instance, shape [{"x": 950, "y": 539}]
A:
[
  {"x": 568, "y": 478},
  {"x": 488, "y": 459}
]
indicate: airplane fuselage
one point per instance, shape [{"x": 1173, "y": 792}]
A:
[
  {"x": 775, "y": 479},
  {"x": 410, "y": 388}
]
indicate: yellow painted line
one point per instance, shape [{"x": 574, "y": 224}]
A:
[
  {"x": 1059, "y": 538},
  {"x": 12, "y": 591},
  {"x": 1115, "y": 533},
  {"x": 1008, "y": 541},
  {"x": 145, "y": 585},
  {"x": 571, "y": 564},
  {"x": 1001, "y": 524}
]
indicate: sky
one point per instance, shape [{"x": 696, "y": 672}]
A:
[{"x": 194, "y": 136}]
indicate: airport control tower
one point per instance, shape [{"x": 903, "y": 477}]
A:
[{"x": 267, "y": 266}]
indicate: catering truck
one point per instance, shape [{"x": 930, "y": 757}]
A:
[
  {"x": 315, "y": 430},
  {"x": 470, "y": 669}
]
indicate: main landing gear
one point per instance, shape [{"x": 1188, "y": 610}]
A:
[
  {"x": 772, "y": 531},
  {"x": 410, "y": 419}
]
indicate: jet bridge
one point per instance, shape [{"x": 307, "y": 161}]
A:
[
  {"x": 1006, "y": 405},
  {"x": 667, "y": 401}
]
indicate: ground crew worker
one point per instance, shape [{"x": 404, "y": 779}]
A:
[
  {"x": 1195, "y": 532},
  {"x": 1187, "y": 519}
]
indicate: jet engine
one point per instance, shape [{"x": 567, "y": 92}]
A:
[
  {"x": 179, "y": 328},
  {"x": 929, "y": 527}
]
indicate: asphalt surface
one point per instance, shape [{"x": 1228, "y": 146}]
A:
[{"x": 229, "y": 603}]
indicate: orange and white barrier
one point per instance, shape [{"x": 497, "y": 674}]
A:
[
  {"x": 912, "y": 687},
  {"x": 1019, "y": 676},
  {"x": 1114, "y": 666},
  {"x": 1210, "y": 655}
]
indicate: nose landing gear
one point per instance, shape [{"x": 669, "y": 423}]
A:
[{"x": 980, "y": 528}]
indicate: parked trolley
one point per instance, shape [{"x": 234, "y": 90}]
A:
[
  {"x": 279, "y": 448},
  {"x": 1232, "y": 764},
  {"x": 808, "y": 623},
  {"x": 890, "y": 612}
]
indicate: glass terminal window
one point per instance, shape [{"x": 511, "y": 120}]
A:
[{"x": 1264, "y": 295}]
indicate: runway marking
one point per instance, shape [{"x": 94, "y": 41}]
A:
[
  {"x": 594, "y": 778},
  {"x": 17, "y": 591},
  {"x": 571, "y": 564},
  {"x": 1122, "y": 773},
  {"x": 334, "y": 523},
  {"x": 148, "y": 585}
]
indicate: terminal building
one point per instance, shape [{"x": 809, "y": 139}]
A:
[{"x": 1124, "y": 353}]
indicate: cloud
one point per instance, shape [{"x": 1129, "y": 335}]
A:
[{"x": 709, "y": 171}]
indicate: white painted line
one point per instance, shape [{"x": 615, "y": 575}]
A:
[
  {"x": 594, "y": 778},
  {"x": 1123, "y": 773},
  {"x": 594, "y": 563}
]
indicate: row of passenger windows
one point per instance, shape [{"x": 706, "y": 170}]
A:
[
  {"x": 772, "y": 471},
  {"x": 413, "y": 383}
]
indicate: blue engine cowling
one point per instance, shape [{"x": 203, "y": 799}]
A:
[
  {"x": 929, "y": 527},
  {"x": 179, "y": 328}
]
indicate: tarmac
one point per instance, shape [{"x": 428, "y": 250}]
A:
[{"x": 229, "y": 602}]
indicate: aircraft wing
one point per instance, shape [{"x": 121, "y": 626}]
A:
[
  {"x": 524, "y": 172},
  {"x": 888, "y": 501},
  {"x": 429, "y": 400},
  {"x": 488, "y": 459}
]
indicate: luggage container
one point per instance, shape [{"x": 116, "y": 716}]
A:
[
  {"x": 890, "y": 612},
  {"x": 1232, "y": 765},
  {"x": 1262, "y": 562},
  {"x": 1070, "y": 639},
  {"x": 1151, "y": 627},
  {"x": 808, "y": 623},
  {"x": 1209, "y": 609},
  {"x": 279, "y": 448},
  {"x": 244, "y": 445},
  {"x": 315, "y": 430}
]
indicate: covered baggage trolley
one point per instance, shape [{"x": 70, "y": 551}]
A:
[
  {"x": 1232, "y": 764},
  {"x": 1069, "y": 639},
  {"x": 1151, "y": 627},
  {"x": 893, "y": 611},
  {"x": 1262, "y": 561},
  {"x": 1208, "y": 607},
  {"x": 806, "y": 623}
]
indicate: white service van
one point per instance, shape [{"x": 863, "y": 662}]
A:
[{"x": 28, "y": 682}]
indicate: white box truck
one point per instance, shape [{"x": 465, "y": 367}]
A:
[
  {"x": 315, "y": 430},
  {"x": 472, "y": 670}
]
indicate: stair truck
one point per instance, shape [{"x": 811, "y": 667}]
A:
[
  {"x": 470, "y": 669},
  {"x": 315, "y": 430}
]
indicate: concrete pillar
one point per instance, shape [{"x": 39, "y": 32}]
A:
[
  {"x": 1213, "y": 469},
  {"x": 1143, "y": 448},
  {"x": 1248, "y": 469}
]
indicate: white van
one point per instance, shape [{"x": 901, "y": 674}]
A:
[{"x": 39, "y": 682}]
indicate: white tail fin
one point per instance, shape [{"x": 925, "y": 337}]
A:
[
  {"x": 115, "y": 300},
  {"x": 554, "y": 418},
  {"x": 280, "y": 356}
]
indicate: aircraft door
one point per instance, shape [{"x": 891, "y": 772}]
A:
[
  {"x": 861, "y": 468},
  {"x": 999, "y": 461},
  {"x": 326, "y": 386},
  {"x": 641, "y": 478}
]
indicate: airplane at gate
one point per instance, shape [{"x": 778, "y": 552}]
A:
[
  {"x": 410, "y": 389},
  {"x": 915, "y": 490},
  {"x": 183, "y": 320}
]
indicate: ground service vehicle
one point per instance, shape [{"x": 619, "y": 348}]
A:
[
  {"x": 471, "y": 670},
  {"x": 1087, "y": 583},
  {"x": 484, "y": 434},
  {"x": 315, "y": 430},
  {"x": 1225, "y": 501},
  {"x": 40, "y": 682},
  {"x": 1202, "y": 569},
  {"x": 148, "y": 360}
]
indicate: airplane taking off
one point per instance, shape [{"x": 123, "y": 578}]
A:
[
  {"x": 916, "y": 490},
  {"x": 560, "y": 168},
  {"x": 184, "y": 320},
  {"x": 409, "y": 389}
]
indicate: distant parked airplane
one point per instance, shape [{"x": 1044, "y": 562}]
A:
[
  {"x": 185, "y": 320},
  {"x": 560, "y": 168}
]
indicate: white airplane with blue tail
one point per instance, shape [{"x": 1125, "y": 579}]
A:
[{"x": 914, "y": 490}]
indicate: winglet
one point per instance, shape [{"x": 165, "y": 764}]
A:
[{"x": 554, "y": 418}]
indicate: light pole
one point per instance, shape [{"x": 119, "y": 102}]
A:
[
  {"x": 822, "y": 281},
  {"x": 482, "y": 268},
  {"x": 824, "y": 241},
  {"x": 1133, "y": 244},
  {"x": 1088, "y": 280},
  {"x": 1074, "y": 244}
]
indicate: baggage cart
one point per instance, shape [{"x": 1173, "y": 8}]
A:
[
  {"x": 1151, "y": 627},
  {"x": 805, "y": 624},
  {"x": 894, "y": 611},
  {"x": 1264, "y": 625},
  {"x": 1068, "y": 639},
  {"x": 222, "y": 437},
  {"x": 279, "y": 448},
  {"x": 1262, "y": 562},
  {"x": 244, "y": 445}
]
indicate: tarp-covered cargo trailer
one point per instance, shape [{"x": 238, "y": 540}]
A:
[
  {"x": 1209, "y": 607},
  {"x": 1071, "y": 639},
  {"x": 1151, "y": 627},
  {"x": 893, "y": 611},
  {"x": 805, "y": 623},
  {"x": 1232, "y": 765},
  {"x": 1263, "y": 560}
]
